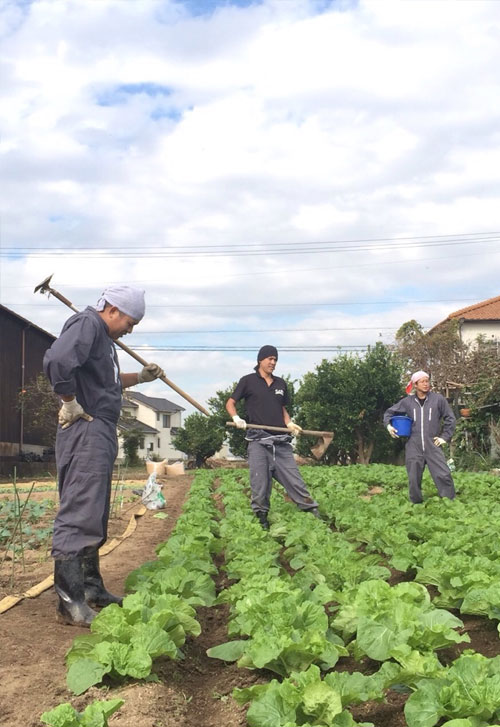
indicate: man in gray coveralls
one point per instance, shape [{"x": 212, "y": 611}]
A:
[
  {"x": 269, "y": 455},
  {"x": 429, "y": 412},
  {"x": 82, "y": 366}
]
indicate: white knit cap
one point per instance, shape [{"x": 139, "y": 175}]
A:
[{"x": 127, "y": 299}]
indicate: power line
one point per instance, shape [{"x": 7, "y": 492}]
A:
[
  {"x": 296, "y": 349},
  {"x": 259, "y": 273},
  {"x": 231, "y": 305},
  {"x": 451, "y": 237},
  {"x": 270, "y": 330},
  {"x": 275, "y": 249}
]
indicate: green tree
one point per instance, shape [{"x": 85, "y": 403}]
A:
[
  {"x": 40, "y": 407},
  {"x": 235, "y": 437},
  {"x": 131, "y": 439},
  {"x": 200, "y": 437},
  {"x": 348, "y": 395}
]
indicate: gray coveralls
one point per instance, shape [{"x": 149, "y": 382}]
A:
[
  {"x": 272, "y": 456},
  {"x": 83, "y": 362},
  {"x": 420, "y": 448}
]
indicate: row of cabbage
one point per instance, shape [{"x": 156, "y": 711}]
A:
[
  {"x": 302, "y": 599},
  {"x": 157, "y": 616},
  {"x": 306, "y": 596},
  {"x": 452, "y": 545}
]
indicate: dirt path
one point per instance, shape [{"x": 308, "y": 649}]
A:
[
  {"x": 32, "y": 670},
  {"x": 194, "y": 692}
]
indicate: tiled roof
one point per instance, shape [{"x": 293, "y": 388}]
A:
[
  {"x": 128, "y": 402},
  {"x": 487, "y": 310},
  {"x": 163, "y": 405},
  {"x": 126, "y": 424}
]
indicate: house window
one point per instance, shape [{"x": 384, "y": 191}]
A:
[
  {"x": 151, "y": 446},
  {"x": 158, "y": 443},
  {"x": 141, "y": 443},
  {"x": 157, "y": 416},
  {"x": 166, "y": 421}
]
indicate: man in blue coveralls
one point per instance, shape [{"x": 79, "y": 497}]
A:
[
  {"x": 433, "y": 424},
  {"x": 269, "y": 454},
  {"x": 82, "y": 366}
]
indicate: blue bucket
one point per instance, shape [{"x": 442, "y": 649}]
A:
[{"x": 402, "y": 425}]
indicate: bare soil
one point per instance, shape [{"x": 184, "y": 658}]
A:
[{"x": 194, "y": 692}]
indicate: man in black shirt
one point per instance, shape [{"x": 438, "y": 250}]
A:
[{"x": 269, "y": 455}]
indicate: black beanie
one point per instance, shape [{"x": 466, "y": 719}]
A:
[{"x": 267, "y": 351}]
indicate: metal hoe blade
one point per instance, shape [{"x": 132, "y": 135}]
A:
[{"x": 321, "y": 446}]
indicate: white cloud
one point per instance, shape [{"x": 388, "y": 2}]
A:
[{"x": 140, "y": 124}]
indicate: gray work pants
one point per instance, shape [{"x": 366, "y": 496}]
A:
[
  {"x": 434, "y": 458},
  {"x": 268, "y": 461},
  {"x": 85, "y": 454}
]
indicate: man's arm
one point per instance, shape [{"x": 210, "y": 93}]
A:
[
  {"x": 149, "y": 372},
  {"x": 67, "y": 354},
  {"x": 449, "y": 421},
  {"x": 294, "y": 428},
  {"x": 231, "y": 410},
  {"x": 397, "y": 409},
  {"x": 231, "y": 407},
  {"x": 129, "y": 380}
]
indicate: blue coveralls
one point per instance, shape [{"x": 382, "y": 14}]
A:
[
  {"x": 420, "y": 448},
  {"x": 83, "y": 362}
]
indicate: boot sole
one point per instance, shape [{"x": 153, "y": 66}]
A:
[{"x": 68, "y": 621}]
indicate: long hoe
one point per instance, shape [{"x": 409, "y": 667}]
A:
[
  {"x": 322, "y": 444},
  {"x": 45, "y": 287}
]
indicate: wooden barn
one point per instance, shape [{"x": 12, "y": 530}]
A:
[{"x": 22, "y": 347}]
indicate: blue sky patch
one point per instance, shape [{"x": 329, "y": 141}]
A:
[
  {"x": 207, "y": 7},
  {"x": 161, "y": 112},
  {"x": 117, "y": 95}
]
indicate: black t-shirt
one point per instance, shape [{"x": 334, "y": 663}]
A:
[{"x": 263, "y": 404}]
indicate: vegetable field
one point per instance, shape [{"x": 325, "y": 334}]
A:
[{"x": 383, "y": 613}]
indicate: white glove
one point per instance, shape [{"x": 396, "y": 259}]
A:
[
  {"x": 150, "y": 372},
  {"x": 294, "y": 428},
  {"x": 70, "y": 412},
  {"x": 439, "y": 441},
  {"x": 240, "y": 423},
  {"x": 392, "y": 431}
]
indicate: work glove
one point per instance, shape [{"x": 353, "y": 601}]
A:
[
  {"x": 70, "y": 412},
  {"x": 294, "y": 428},
  {"x": 150, "y": 372},
  {"x": 240, "y": 423},
  {"x": 439, "y": 441},
  {"x": 392, "y": 431}
]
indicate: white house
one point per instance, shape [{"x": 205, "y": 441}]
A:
[
  {"x": 157, "y": 419},
  {"x": 480, "y": 319}
]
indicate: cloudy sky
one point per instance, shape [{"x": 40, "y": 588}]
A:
[{"x": 305, "y": 173}]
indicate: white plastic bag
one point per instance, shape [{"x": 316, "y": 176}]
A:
[{"x": 152, "y": 495}]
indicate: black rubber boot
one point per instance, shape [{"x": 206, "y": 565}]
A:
[
  {"x": 262, "y": 516},
  {"x": 95, "y": 591},
  {"x": 68, "y": 581},
  {"x": 314, "y": 511}
]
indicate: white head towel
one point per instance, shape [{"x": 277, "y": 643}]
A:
[{"x": 127, "y": 299}]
